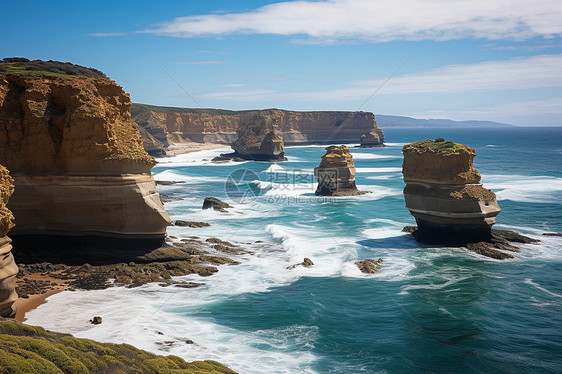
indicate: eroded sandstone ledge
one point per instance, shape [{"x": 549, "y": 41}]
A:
[
  {"x": 77, "y": 159},
  {"x": 8, "y": 267}
]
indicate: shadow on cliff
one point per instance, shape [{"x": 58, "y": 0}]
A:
[{"x": 80, "y": 250}]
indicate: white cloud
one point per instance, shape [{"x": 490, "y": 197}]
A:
[
  {"x": 382, "y": 20},
  {"x": 521, "y": 73}
]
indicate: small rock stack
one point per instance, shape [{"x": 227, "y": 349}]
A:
[
  {"x": 443, "y": 192},
  {"x": 373, "y": 138},
  {"x": 260, "y": 140},
  {"x": 8, "y": 267},
  {"x": 336, "y": 173}
]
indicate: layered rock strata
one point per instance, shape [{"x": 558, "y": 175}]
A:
[
  {"x": 169, "y": 125},
  {"x": 444, "y": 194},
  {"x": 259, "y": 140},
  {"x": 8, "y": 268},
  {"x": 336, "y": 173},
  {"x": 77, "y": 159},
  {"x": 372, "y": 139}
]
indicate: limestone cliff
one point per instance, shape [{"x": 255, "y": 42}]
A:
[
  {"x": 221, "y": 126},
  {"x": 443, "y": 192},
  {"x": 336, "y": 173},
  {"x": 8, "y": 268},
  {"x": 77, "y": 159}
]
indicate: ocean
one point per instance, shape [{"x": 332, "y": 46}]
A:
[{"x": 430, "y": 309}]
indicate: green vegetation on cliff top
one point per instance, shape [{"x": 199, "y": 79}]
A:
[
  {"x": 23, "y": 66},
  {"x": 437, "y": 145},
  {"x": 31, "y": 349}
]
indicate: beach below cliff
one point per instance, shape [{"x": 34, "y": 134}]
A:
[
  {"x": 430, "y": 304},
  {"x": 182, "y": 148}
]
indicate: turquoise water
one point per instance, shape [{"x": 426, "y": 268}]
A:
[{"x": 430, "y": 309}]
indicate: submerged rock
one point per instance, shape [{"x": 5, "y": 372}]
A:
[
  {"x": 215, "y": 204},
  {"x": 307, "y": 262},
  {"x": 259, "y": 140},
  {"x": 369, "y": 266},
  {"x": 336, "y": 173},
  {"x": 444, "y": 194},
  {"x": 193, "y": 224}
]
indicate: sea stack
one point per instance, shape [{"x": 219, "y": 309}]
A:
[
  {"x": 336, "y": 173},
  {"x": 443, "y": 192},
  {"x": 259, "y": 140},
  {"x": 373, "y": 138},
  {"x": 77, "y": 160},
  {"x": 8, "y": 268}
]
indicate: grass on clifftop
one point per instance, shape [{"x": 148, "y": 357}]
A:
[
  {"x": 23, "y": 66},
  {"x": 31, "y": 349},
  {"x": 438, "y": 144}
]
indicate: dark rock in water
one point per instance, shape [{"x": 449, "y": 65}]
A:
[
  {"x": 228, "y": 157},
  {"x": 96, "y": 320},
  {"x": 336, "y": 173},
  {"x": 168, "y": 183},
  {"x": 493, "y": 247},
  {"x": 552, "y": 234},
  {"x": 216, "y": 204},
  {"x": 307, "y": 262},
  {"x": 443, "y": 193},
  {"x": 369, "y": 266},
  {"x": 259, "y": 140},
  {"x": 194, "y": 224}
]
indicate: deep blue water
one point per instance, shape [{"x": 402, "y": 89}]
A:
[{"x": 429, "y": 310}]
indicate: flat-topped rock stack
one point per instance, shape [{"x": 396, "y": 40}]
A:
[
  {"x": 77, "y": 159},
  {"x": 259, "y": 140},
  {"x": 336, "y": 173},
  {"x": 443, "y": 192},
  {"x": 373, "y": 138},
  {"x": 8, "y": 268}
]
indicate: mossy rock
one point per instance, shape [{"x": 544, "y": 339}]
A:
[
  {"x": 31, "y": 349},
  {"x": 437, "y": 145}
]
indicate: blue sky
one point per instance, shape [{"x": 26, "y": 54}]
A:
[{"x": 489, "y": 60}]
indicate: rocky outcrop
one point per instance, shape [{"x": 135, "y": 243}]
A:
[
  {"x": 373, "y": 138},
  {"x": 443, "y": 192},
  {"x": 259, "y": 140},
  {"x": 369, "y": 266},
  {"x": 77, "y": 159},
  {"x": 8, "y": 268},
  {"x": 336, "y": 173},
  {"x": 168, "y": 125},
  {"x": 215, "y": 204}
]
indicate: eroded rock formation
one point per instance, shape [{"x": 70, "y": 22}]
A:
[
  {"x": 168, "y": 125},
  {"x": 373, "y": 138},
  {"x": 8, "y": 268},
  {"x": 259, "y": 140},
  {"x": 77, "y": 159},
  {"x": 336, "y": 173},
  {"x": 443, "y": 192}
]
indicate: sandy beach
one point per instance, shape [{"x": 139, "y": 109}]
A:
[
  {"x": 181, "y": 148},
  {"x": 34, "y": 300}
]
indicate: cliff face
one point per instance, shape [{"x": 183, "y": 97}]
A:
[
  {"x": 336, "y": 173},
  {"x": 443, "y": 192},
  {"x": 77, "y": 159},
  {"x": 221, "y": 126},
  {"x": 8, "y": 268}
]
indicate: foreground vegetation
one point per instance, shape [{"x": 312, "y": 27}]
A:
[
  {"x": 23, "y": 66},
  {"x": 31, "y": 349}
]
